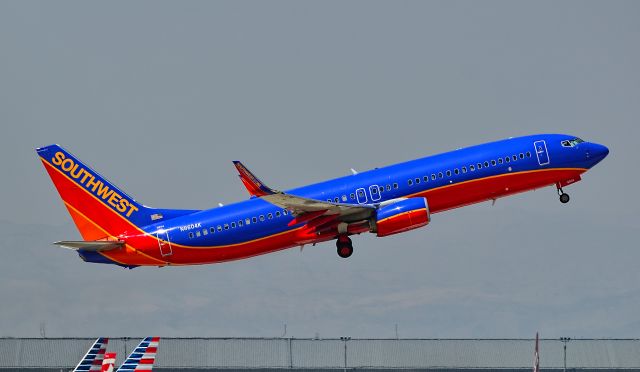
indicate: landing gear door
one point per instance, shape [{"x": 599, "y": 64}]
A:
[
  {"x": 164, "y": 243},
  {"x": 541, "y": 152}
]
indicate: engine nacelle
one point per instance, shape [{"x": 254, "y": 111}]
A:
[{"x": 402, "y": 216}]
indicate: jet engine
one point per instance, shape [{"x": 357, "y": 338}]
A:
[{"x": 401, "y": 216}]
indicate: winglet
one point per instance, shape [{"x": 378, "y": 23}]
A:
[{"x": 254, "y": 186}]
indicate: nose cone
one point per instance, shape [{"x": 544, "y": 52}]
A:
[{"x": 596, "y": 152}]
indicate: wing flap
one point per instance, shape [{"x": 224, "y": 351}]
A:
[{"x": 92, "y": 246}]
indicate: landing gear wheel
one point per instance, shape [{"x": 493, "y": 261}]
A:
[
  {"x": 345, "y": 246},
  {"x": 564, "y": 198}
]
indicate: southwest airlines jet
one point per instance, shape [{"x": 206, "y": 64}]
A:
[{"x": 116, "y": 229}]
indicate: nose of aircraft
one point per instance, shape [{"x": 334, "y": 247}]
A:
[{"x": 596, "y": 152}]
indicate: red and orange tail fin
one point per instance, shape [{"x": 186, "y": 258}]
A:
[
  {"x": 98, "y": 208},
  {"x": 108, "y": 362},
  {"x": 92, "y": 360}
]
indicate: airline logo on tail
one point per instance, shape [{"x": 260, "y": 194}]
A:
[
  {"x": 108, "y": 362},
  {"x": 142, "y": 357},
  {"x": 92, "y": 360},
  {"x": 92, "y": 183}
]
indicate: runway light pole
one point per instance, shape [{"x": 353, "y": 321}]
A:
[
  {"x": 564, "y": 341},
  {"x": 345, "y": 339}
]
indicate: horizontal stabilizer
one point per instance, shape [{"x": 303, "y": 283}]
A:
[{"x": 92, "y": 246}]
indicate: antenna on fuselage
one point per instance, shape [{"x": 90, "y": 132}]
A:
[
  {"x": 354, "y": 172},
  {"x": 220, "y": 205}
]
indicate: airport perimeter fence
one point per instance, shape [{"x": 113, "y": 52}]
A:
[{"x": 331, "y": 355}]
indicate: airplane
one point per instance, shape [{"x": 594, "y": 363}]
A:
[
  {"x": 93, "y": 359},
  {"x": 108, "y": 362},
  {"x": 142, "y": 357},
  {"x": 116, "y": 229}
]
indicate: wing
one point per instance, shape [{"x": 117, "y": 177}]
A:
[
  {"x": 314, "y": 212},
  {"x": 92, "y": 360}
]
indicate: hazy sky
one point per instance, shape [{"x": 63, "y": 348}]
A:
[{"x": 160, "y": 96}]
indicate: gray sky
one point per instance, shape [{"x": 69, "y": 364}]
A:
[{"x": 160, "y": 96}]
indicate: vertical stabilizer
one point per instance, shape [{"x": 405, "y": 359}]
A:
[
  {"x": 108, "y": 362},
  {"x": 92, "y": 360},
  {"x": 142, "y": 357}
]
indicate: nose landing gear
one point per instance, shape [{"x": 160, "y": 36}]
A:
[
  {"x": 345, "y": 246},
  {"x": 564, "y": 198}
]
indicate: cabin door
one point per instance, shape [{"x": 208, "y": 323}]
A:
[
  {"x": 374, "y": 192},
  {"x": 541, "y": 152},
  {"x": 164, "y": 243}
]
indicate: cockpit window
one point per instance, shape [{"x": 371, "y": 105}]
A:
[{"x": 572, "y": 142}]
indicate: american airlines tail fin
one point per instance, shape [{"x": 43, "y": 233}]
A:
[
  {"x": 142, "y": 357},
  {"x": 92, "y": 360},
  {"x": 108, "y": 362},
  {"x": 99, "y": 209}
]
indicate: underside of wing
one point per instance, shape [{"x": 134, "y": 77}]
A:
[
  {"x": 92, "y": 246},
  {"x": 301, "y": 206}
]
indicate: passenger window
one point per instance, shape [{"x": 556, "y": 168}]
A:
[
  {"x": 278, "y": 212},
  {"x": 261, "y": 217},
  {"x": 205, "y": 232},
  {"x": 410, "y": 182},
  {"x": 472, "y": 168},
  {"x": 521, "y": 156},
  {"x": 219, "y": 228},
  {"x": 440, "y": 175},
  {"x": 479, "y": 165},
  {"x": 417, "y": 180},
  {"x": 344, "y": 199},
  {"x": 233, "y": 225},
  {"x": 381, "y": 189},
  {"x": 198, "y": 234},
  {"x": 352, "y": 196},
  {"x": 464, "y": 169},
  {"x": 499, "y": 160},
  {"x": 190, "y": 235},
  {"x": 254, "y": 219},
  {"x": 486, "y": 164},
  {"x": 448, "y": 173},
  {"x": 270, "y": 216},
  {"x": 360, "y": 193},
  {"x": 493, "y": 163},
  {"x": 226, "y": 226},
  {"x": 507, "y": 159},
  {"x": 212, "y": 230},
  {"x": 433, "y": 176},
  {"x": 395, "y": 185},
  {"x": 528, "y": 154},
  {"x": 329, "y": 200},
  {"x": 374, "y": 190},
  {"x": 284, "y": 212},
  {"x": 388, "y": 188},
  {"x": 240, "y": 223},
  {"x": 514, "y": 157},
  {"x": 247, "y": 221},
  {"x": 336, "y": 199},
  {"x": 456, "y": 171}
]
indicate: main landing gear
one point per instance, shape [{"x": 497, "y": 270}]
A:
[
  {"x": 564, "y": 198},
  {"x": 345, "y": 246}
]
